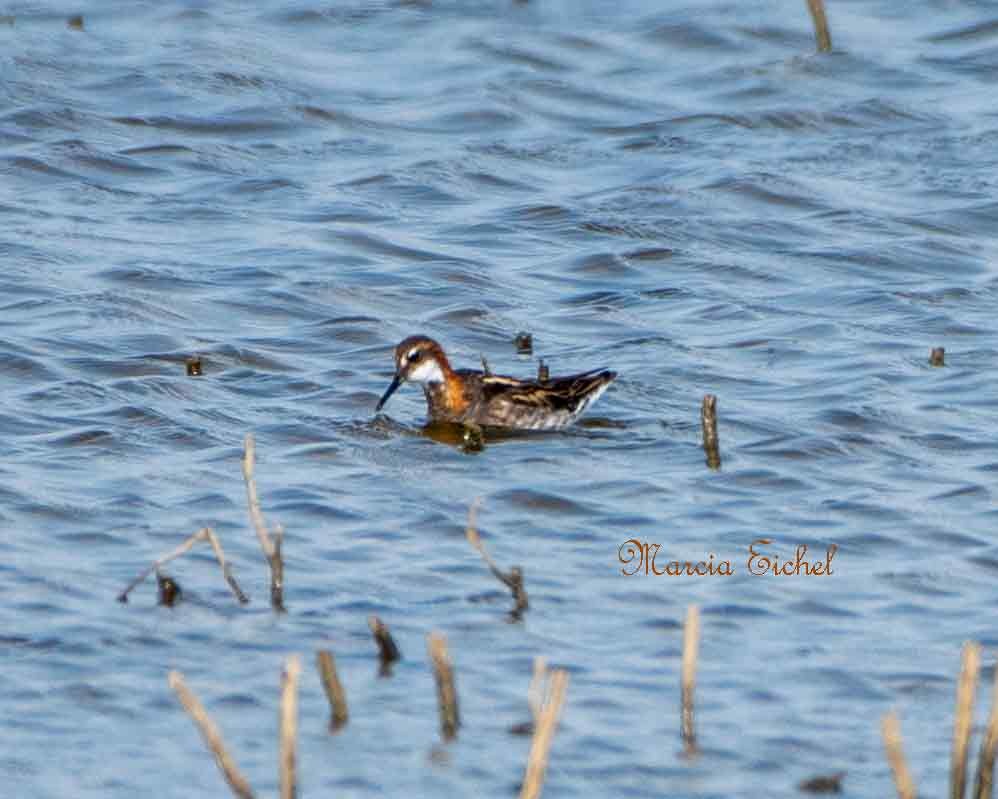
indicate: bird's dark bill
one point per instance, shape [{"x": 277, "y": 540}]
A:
[{"x": 396, "y": 382}]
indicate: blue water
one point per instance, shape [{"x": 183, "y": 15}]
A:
[{"x": 684, "y": 192}]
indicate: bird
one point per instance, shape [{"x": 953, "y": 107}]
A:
[{"x": 467, "y": 396}]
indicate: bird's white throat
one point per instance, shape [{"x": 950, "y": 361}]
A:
[{"x": 428, "y": 371}]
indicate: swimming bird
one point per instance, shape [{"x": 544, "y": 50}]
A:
[{"x": 468, "y": 396}]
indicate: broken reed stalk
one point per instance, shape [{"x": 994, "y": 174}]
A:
[
  {"x": 271, "y": 549},
  {"x": 540, "y": 746},
  {"x": 513, "y": 580},
  {"x": 708, "y": 423},
  {"x": 204, "y": 534},
  {"x": 388, "y": 650},
  {"x": 984, "y": 781},
  {"x": 443, "y": 671},
  {"x": 890, "y": 731},
  {"x": 289, "y": 727},
  {"x": 964, "y": 715},
  {"x": 211, "y": 734},
  {"x": 821, "y": 32},
  {"x": 334, "y": 689},
  {"x": 688, "y": 678}
]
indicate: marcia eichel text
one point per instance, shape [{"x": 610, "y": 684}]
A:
[{"x": 639, "y": 557}]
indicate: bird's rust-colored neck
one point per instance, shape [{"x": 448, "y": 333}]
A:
[{"x": 448, "y": 399}]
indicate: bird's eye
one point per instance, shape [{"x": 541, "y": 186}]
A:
[{"x": 415, "y": 355}]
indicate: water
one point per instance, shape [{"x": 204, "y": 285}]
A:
[{"x": 686, "y": 193}]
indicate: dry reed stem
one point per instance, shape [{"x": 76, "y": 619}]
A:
[
  {"x": 984, "y": 781},
  {"x": 513, "y": 580},
  {"x": 334, "y": 689},
  {"x": 820, "y": 19},
  {"x": 271, "y": 549},
  {"x": 211, "y": 734},
  {"x": 443, "y": 671},
  {"x": 964, "y": 716},
  {"x": 204, "y": 534},
  {"x": 536, "y": 693},
  {"x": 688, "y": 678},
  {"x": 540, "y": 746},
  {"x": 708, "y": 424},
  {"x": 890, "y": 731},
  {"x": 289, "y": 727}
]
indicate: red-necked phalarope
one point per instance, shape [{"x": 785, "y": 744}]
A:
[{"x": 468, "y": 396}]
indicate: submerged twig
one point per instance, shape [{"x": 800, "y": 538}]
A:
[
  {"x": 289, "y": 727},
  {"x": 204, "y": 534},
  {"x": 513, "y": 580},
  {"x": 211, "y": 734},
  {"x": 824, "y": 783},
  {"x": 538, "y": 687},
  {"x": 388, "y": 651},
  {"x": 540, "y": 747},
  {"x": 271, "y": 548},
  {"x": 536, "y": 693},
  {"x": 691, "y": 647},
  {"x": 820, "y": 19},
  {"x": 890, "y": 731},
  {"x": 708, "y": 423},
  {"x": 334, "y": 690},
  {"x": 966, "y": 687},
  {"x": 984, "y": 781},
  {"x": 443, "y": 671}
]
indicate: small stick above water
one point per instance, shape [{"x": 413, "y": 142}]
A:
[
  {"x": 708, "y": 423},
  {"x": 271, "y": 549},
  {"x": 212, "y": 736},
  {"x": 938, "y": 356},
  {"x": 204, "y": 534},
  {"x": 984, "y": 781},
  {"x": 443, "y": 671},
  {"x": 964, "y": 715},
  {"x": 688, "y": 678},
  {"x": 289, "y": 727},
  {"x": 388, "y": 651},
  {"x": 512, "y": 580},
  {"x": 540, "y": 747},
  {"x": 169, "y": 590},
  {"x": 334, "y": 689},
  {"x": 890, "y": 731},
  {"x": 820, "y": 19}
]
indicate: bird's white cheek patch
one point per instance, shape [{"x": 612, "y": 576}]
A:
[{"x": 427, "y": 372}]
